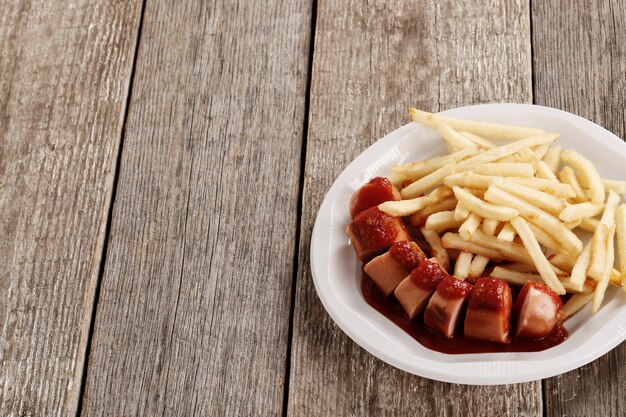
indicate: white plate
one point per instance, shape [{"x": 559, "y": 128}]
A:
[{"x": 337, "y": 271}]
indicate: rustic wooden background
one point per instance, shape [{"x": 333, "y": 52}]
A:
[{"x": 161, "y": 166}]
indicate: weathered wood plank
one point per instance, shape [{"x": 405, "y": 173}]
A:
[
  {"x": 372, "y": 60},
  {"x": 580, "y": 66},
  {"x": 64, "y": 74},
  {"x": 194, "y": 308}
]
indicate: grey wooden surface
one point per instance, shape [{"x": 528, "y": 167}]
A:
[
  {"x": 193, "y": 314},
  {"x": 581, "y": 68},
  {"x": 161, "y": 166},
  {"x": 65, "y": 69}
]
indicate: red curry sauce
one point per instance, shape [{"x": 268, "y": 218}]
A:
[
  {"x": 375, "y": 227},
  {"x": 391, "y": 308}
]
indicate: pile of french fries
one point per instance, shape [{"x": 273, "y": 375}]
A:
[{"x": 522, "y": 204}]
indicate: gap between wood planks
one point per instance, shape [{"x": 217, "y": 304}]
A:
[
  {"x": 296, "y": 250},
  {"x": 109, "y": 214}
]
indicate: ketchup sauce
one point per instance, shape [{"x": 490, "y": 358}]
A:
[
  {"x": 407, "y": 253},
  {"x": 377, "y": 191},
  {"x": 390, "y": 307},
  {"x": 428, "y": 275},
  {"x": 375, "y": 227}
]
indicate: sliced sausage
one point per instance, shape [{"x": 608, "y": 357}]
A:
[
  {"x": 373, "y": 232},
  {"x": 489, "y": 309},
  {"x": 446, "y": 306},
  {"x": 538, "y": 310},
  {"x": 389, "y": 269},
  {"x": 377, "y": 191},
  {"x": 416, "y": 289}
]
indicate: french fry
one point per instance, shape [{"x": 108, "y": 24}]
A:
[
  {"x": 506, "y": 169},
  {"x": 444, "y": 220},
  {"x": 552, "y": 158},
  {"x": 489, "y": 226},
  {"x": 620, "y": 223},
  {"x": 598, "y": 252},
  {"x": 476, "y": 192},
  {"x": 579, "y": 271},
  {"x": 618, "y": 186},
  {"x": 603, "y": 283},
  {"x": 520, "y": 278},
  {"x": 598, "y": 241},
  {"x": 461, "y": 267},
  {"x": 507, "y": 234},
  {"x": 540, "y": 151},
  {"x": 580, "y": 211},
  {"x": 587, "y": 171},
  {"x": 567, "y": 176},
  {"x": 502, "y": 151},
  {"x": 446, "y": 204},
  {"x": 460, "y": 212},
  {"x": 563, "y": 261},
  {"x": 566, "y": 238},
  {"x": 572, "y": 224},
  {"x": 469, "y": 226},
  {"x": 545, "y": 238},
  {"x": 396, "y": 179},
  {"x": 567, "y": 262},
  {"x": 451, "y": 149},
  {"x": 438, "y": 251},
  {"x": 483, "y": 209},
  {"x": 479, "y": 263},
  {"x": 589, "y": 225},
  {"x": 469, "y": 180},
  {"x": 550, "y": 187},
  {"x": 588, "y": 286},
  {"x": 544, "y": 171},
  {"x": 524, "y": 156},
  {"x": 534, "y": 250},
  {"x": 484, "y": 129},
  {"x": 490, "y": 247},
  {"x": 416, "y": 170},
  {"x": 507, "y": 251},
  {"x": 454, "y": 138},
  {"x": 480, "y": 142},
  {"x": 454, "y": 241},
  {"x": 406, "y": 207},
  {"x": 545, "y": 201},
  {"x": 576, "y": 303},
  {"x": 428, "y": 182}
]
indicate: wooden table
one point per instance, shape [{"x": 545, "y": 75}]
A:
[{"x": 161, "y": 166}]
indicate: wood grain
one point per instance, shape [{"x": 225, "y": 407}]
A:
[
  {"x": 64, "y": 75},
  {"x": 581, "y": 68},
  {"x": 372, "y": 60},
  {"x": 194, "y": 308}
]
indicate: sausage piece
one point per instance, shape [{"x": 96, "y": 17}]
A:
[
  {"x": 389, "y": 269},
  {"x": 446, "y": 306},
  {"x": 373, "y": 232},
  {"x": 376, "y": 191},
  {"x": 489, "y": 311},
  {"x": 538, "y": 310},
  {"x": 416, "y": 289}
]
